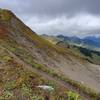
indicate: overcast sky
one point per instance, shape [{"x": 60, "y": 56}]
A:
[{"x": 68, "y": 17}]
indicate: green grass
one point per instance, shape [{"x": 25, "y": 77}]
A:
[
  {"x": 23, "y": 54},
  {"x": 17, "y": 83}
]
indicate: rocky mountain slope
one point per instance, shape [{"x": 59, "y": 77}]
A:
[
  {"x": 90, "y": 42},
  {"x": 28, "y": 62},
  {"x": 74, "y": 45}
]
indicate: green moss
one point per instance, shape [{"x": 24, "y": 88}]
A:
[
  {"x": 6, "y": 95},
  {"x": 7, "y": 58},
  {"x": 73, "y": 96},
  {"x": 26, "y": 90}
]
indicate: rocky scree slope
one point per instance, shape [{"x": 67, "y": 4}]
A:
[{"x": 18, "y": 39}]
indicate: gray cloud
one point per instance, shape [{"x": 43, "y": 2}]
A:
[
  {"x": 82, "y": 23},
  {"x": 52, "y": 7},
  {"x": 58, "y": 16}
]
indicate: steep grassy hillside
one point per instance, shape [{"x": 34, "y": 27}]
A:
[
  {"x": 28, "y": 61},
  {"x": 18, "y": 83}
]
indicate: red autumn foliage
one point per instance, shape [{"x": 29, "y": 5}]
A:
[{"x": 3, "y": 31}]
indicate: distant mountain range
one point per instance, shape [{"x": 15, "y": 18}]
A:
[
  {"x": 87, "y": 48},
  {"x": 91, "y": 42}
]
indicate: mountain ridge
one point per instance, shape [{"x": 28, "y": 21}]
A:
[
  {"x": 88, "y": 41},
  {"x": 42, "y": 55}
]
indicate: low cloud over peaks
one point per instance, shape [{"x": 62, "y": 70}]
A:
[{"x": 81, "y": 24}]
